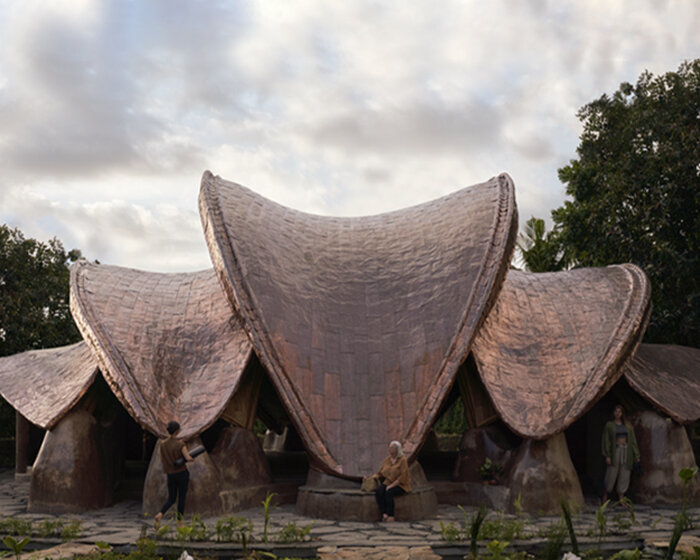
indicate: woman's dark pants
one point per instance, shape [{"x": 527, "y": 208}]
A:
[
  {"x": 177, "y": 485},
  {"x": 385, "y": 498}
]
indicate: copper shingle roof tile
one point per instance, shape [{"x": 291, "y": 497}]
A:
[
  {"x": 43, "y": 385},
  {"x": 165, "y": 343},
  {"x": 668, "y": 376},
  {"x": 554, "y": 343},
  {"x": 361, "y": 322}
]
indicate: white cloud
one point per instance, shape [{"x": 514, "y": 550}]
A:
[{"x": 112, "y": 110}]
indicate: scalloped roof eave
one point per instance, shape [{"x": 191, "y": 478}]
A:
[
  {"x": 554, "y": 343},
  {"x": 165, "y": 343},
  {"x": 43, "y": 385},
  {"x": 668, "y": 376}
]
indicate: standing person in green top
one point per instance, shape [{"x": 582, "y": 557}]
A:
[
  {"x": 619, "y": 447},
  {"x": 173, "y": 448}
]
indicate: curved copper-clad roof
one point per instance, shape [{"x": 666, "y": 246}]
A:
[
  {"x": 43, "y": 385},
  {"x": 361, "y": 322},
  {"x": 668, "y": 376},
  {"x": 555, "y": 342},
  {"x": 165, "y": 343}
]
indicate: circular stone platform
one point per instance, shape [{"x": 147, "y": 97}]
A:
[{"x": 329, "y": 497}]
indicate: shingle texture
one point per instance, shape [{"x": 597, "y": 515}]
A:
[
  {"x": 43, "y": 385},
  {"x": 554, "y": 343},
  {"x": 164, "y": 342},
  {"x": 668, "y": 376},
  {"x": 361, "y": 322}
]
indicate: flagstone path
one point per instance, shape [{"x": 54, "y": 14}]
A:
[{"x": 122, "y": 524}]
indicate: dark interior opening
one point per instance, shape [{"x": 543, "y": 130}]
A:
[
  {"x": 583, "y": 437},
  {"x": 284, "y": 449}
]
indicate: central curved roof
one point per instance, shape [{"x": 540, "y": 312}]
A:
[
  {"x": 165, "y": 343},
  {"x": 361, "y": 322}
]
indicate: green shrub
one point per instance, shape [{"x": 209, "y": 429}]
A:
[
  {"x": 450, "y": 533},
  {"x": 70, "y": 530},
  {"x": 293, "y": 533},
  {"x": 67, "y": 529},
  {"x": 234, "y": 529},
  {"x": 504, "y": 529},
  {"x": 16, "y": 526}
]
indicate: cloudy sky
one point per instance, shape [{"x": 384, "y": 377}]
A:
[{"x": 111, "y": 110}]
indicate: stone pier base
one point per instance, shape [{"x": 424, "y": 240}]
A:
[{"x": 329, "y": 497}]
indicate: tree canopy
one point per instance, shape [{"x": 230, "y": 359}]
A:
[
  {"x": 540, "y": 249},
  {"x": 34, "y": 307},
  {"x": 635, "y": 190}
]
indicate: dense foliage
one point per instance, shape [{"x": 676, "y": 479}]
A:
[
  {"x": 453, "y": 421},
  {"x": 635, "y": 191},
  {"x": 34, "y": 308},
  {"x": 541, "y": 250}
]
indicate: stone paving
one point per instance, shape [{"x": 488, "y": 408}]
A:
[{"x": 122, "y": 524}]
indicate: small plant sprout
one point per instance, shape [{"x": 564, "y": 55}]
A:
[
  {"x": 293, "y": 533},
  {"x": 267, "y": 511},
  {"x": 682, "y": 519},
  {"x": 474, "y": 528},
  {"x": 14, "y": 545},
  {"x": 450, "y": 532},
  {"x": 601, "y": 521},
  {"x": 566, "y": 513},
  {"x": 495, "y": 549}
]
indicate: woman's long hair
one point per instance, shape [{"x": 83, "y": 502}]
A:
[
  {"x": 623, "y": 418},
  {"x": 399, "y": 448}
]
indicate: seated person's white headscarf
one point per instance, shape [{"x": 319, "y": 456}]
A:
[{"x": 399, "y": 448}]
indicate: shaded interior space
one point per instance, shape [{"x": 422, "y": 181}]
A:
[
  {"x": 125, "y": 447},
  {"x": 281, "y": 443},
  {"x": 440, "y": 450},
  {"x": 467, "y": 433},
  {"x": 664, "y": 445},
  {"x": 584, "y": 436}
]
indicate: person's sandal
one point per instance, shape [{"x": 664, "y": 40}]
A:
[
  {"x": 156, "y": 520},
  {"x": 390, "y": 519}
]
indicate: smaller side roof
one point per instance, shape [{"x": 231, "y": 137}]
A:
[
  {"x": 43, "y": 385},
  {"x": 555, "y": 342},
  {"x": 668, "y": 376},
  {"x": 165, "y": 343}
]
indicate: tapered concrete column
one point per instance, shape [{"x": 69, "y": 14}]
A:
[
  {"x": 543, "y": 475},
  {"x": 21, "y": 443},
  {"x": 202, "y": 493},
  {"x": 68, "y": 474}
]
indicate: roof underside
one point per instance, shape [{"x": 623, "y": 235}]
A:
[
  {"x": 554, "y": 343},
  {"x": 43, "y": 385},
  {"x": 165, "y": 343},
  {"x": 668, "y": 376},
  {"x": 361, "y": 322}
]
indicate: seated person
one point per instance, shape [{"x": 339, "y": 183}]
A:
[{"x": 395, "y": 480}]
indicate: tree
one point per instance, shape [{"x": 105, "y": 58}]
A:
[
  {"x": 34, "y": 308},
  {"x": 636, "y": 193},
  {"x": 541, "y": 250}
]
